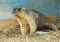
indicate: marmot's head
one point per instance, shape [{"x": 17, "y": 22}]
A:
[
  {"x": 20, "y": 11},
  {"x": 16, "y": 10}
]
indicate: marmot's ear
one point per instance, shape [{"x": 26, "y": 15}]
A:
[{"x": 23, "y": 9}]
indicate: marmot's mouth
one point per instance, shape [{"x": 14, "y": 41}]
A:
[{"x": 13, "y": 12}]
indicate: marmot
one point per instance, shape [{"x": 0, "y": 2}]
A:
[{"x": 29, "y": 19}]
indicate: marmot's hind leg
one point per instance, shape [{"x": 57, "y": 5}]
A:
[{"x": 54, "y": 27}]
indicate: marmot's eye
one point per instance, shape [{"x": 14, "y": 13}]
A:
[{"x": 19, "y": 9}]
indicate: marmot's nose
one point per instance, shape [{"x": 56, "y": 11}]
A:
[{"x": 15, "y": 10}]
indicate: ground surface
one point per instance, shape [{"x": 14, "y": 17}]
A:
[{"x": 17, "y": 37}]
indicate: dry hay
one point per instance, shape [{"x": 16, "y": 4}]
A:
[{"x": 13, "y": 37}]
